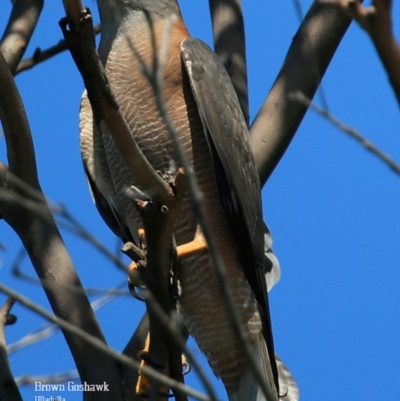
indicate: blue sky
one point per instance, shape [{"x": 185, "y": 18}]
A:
[{"x": 332, "y": 207}]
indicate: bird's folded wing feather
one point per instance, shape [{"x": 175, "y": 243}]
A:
[{"x": 234, "y": 167}]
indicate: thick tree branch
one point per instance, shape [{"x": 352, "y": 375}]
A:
[
  {"x": 300, "y": 15},
  {"x": 306, "y": 62},
  {"x": 19, "y": 29},
  {"x": 229, "y": 43},
  {"x": 43, "y": 242},
  {"x": 163, "y": 352}
]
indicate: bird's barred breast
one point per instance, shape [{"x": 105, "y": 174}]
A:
[{"x": 202, "y": 304}]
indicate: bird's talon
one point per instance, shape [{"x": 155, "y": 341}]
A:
[{"x": 135, "y": 293}]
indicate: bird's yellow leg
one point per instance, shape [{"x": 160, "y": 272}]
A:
[
  {"x": 143, "y": 383},
  {"x": 142, "y": 237},
  {"x": 192, "y": 247}
]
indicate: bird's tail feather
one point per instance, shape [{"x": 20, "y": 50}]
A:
[
  {"x": 249, "y": 388},
  {"x": 288, "y": 390}
]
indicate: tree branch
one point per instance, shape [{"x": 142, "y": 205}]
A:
[
  {"x": 43, "y": 242},
  {"x": 19, "y": 29},
  {"x": 306, "y": 62},
  {"x": 229, "y": 43},
  {"x": 48, "y": 330},
  {"x": 300, "y": 15},
  {"x": 39, "y": 55},
  {"x": 377, "y": 21},
  {"x": 28, "y": 380},
  {"x": 101, "y": 347},
  {"x": 367, "y": 144}
]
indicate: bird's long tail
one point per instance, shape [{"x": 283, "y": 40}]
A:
[{"x": 249, "y": 388}]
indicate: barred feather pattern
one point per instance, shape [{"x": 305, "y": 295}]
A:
[{"x": 201, "y": 304}]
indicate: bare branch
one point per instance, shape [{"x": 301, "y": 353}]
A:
[
  {"x": 77, "y": 228},
  {"x": 306, "y": 62},
  {"x": 101, "y": 346},
  {"x": 229, "y": 41},
  {"x": 21, "y": 155},
  {"x": 28, "y": 380},
  {"x": 39, "y": 56},
  {"x": 73, "y": 10},
  {"x": 8, "y": 387},
  {"x": 300, "y": 15},
  {"x": 367, "y": 144},
  {"x": 34, "y": 203},
  {"x": 43, "y": 242},
  {"x": 33, "y": 338},
  {"x": 48, "y": 330},
  {"x": 377, "y": 21},
  {"x": 20, "y": 27}
]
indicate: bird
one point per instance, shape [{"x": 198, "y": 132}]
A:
[{"x": 202, "y": 103}]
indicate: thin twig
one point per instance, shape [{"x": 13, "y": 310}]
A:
[
  {"x": 78, "y": 228},
  {"x": 39, "y": 55},
  {"x": 48, "y": 330},
  {"x": 41, "y": 211},
  {"x": 35, "y": 204},
  {"x": 100, "y": 345},
  {"x": 366, "y": 143},
  {"x": 28, "y": 380}
]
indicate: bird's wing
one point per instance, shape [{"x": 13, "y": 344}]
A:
[
  {"x": 234, "y": 167},
  {"x": 98, "y": 174}
]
